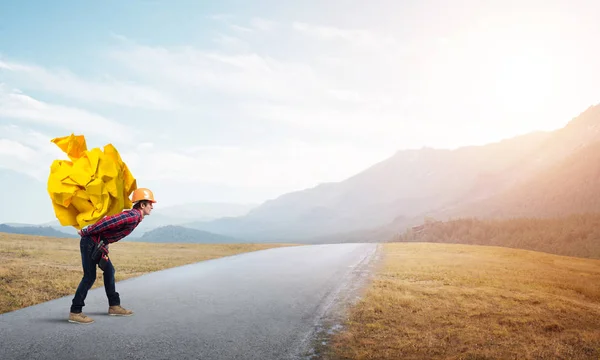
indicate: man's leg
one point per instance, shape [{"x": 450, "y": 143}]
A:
[
  {"x": 109, "y": 285},
  {"x": 114, "y": 301},
  {"x": 89, "y": 277}
]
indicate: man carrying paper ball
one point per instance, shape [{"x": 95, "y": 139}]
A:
[{"x": 96, "y": 237}]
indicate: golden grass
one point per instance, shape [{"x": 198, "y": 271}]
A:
[
  {"x": 35, "y": 269},
  {"x": 446, "y": 301}
]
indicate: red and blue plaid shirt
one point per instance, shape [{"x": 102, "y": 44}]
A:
[{"x": 115, "y": 227}]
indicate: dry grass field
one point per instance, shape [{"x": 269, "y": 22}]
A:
[
  {"x": 427, "y": 301},
  {"x": 445, "y": 301},
  {"x": 35, "y": 269}
]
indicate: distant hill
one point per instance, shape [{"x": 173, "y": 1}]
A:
[
  {"x": 176, "y": 215},
  {"x": 151, "y": 222},
  {"x": 574, "y": 235},
  {"x": 17, "y": 225},
  {"x": 34, "y": 230},
  {"x": 180, "y": 234}
]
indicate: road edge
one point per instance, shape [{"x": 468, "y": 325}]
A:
[{"x": 332, "y": 313}]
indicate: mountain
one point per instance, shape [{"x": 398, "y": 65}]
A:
[
  {"x": 20, "y": 225},
  {"x": 180, "y": 234},
  {"x": 34, "y": 230},
  {"x": 407, "y": 184},
  {"x": 560, "y": 179},
  {"x": 567, "y": 187},
  {"x": 401, "y": 190},
  {"x": 151, "y": 222}
]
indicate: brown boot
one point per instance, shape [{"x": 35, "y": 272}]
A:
[
  {"x": 117, "y": 310},
  {"x": 80, "y": 318}
]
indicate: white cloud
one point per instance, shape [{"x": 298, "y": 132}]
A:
[
  {"x": 254, "y": 24},
  {"x": 340, "y": 101},
  {"x": 263, "y": 24},
  {"x": 253, "y": 75},
  {"x": 367, "y": 39},
  {"x": 221, "y": 17},
  {"x": 243, "y": 74},
  {"x": 107, "y": 90},
  {"x": 31, "y": 138},
  {"x": 240, "y": 28},
  {"x": 16, "y": 150},
  {"x": 359, "y": 97},
  {"x": 330, "y": 32},
  {"x": 290, "y": 166},
  {"x": 18, "y": 106},
  {"x": 145, "y": 146},
  {"x": 22, "y": 158},
  {"x": 231, "y": 42},
  {"x": 374, "y": 124},
  {"x": 27, "y": 151}
]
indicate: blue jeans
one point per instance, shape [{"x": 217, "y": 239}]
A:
[{"x": 86, "y": 246}]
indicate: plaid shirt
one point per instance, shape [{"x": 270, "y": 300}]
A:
[{"x": 115, "y": 227}]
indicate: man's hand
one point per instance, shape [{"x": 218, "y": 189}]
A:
[{"x": 79, "y": 232}]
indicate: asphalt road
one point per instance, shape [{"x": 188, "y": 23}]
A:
[{"x": 261, "y": 305}]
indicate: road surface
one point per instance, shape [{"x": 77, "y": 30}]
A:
[{"x": 261, "y": 305}]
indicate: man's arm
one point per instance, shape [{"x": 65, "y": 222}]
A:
[{"x": 109, "y": 223}]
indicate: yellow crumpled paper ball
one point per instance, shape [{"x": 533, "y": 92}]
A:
[{"x": 92, "y": 185}]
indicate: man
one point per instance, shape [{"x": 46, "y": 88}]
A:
[{"x": 108, "y": 230}]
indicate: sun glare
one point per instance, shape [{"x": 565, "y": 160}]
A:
[
  {"x": 506, "y": 77},
  {"x": 523, "y": 81}
]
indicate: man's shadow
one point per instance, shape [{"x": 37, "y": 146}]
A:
[{"x": 65, "y": 319}]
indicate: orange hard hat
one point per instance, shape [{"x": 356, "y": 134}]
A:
[{"x": 142, "y": 194}]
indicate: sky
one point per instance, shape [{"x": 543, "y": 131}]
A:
[{"x": 239, "y": 101}]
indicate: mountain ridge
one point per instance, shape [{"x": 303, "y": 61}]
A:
[
  {"x": 412, "y": 184},
  {"x": 34, "y": 230},
  {"x": 180, "y": 234}
]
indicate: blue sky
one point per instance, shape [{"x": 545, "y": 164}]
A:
[{"x": 236, "y": 101}]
